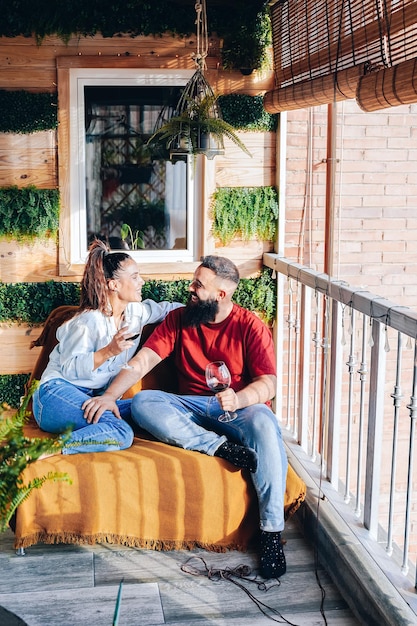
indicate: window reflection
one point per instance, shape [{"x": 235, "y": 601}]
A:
[{"x": 135, "y": 199}]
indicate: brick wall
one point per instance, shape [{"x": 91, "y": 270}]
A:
[{"x": 375, "y": 224}]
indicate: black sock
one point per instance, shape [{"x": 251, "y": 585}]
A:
[
  {"x": 238, "y": 455},
  {"x": 272, "y": 557}
]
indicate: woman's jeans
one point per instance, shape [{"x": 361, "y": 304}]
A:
[
  {"x": 191, "y": 422},
  {"x": 57, "y": 408}
]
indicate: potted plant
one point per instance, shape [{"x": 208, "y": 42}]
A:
[
  {"x": 133, "y": 167},
  {"x": 198, "y": 129}
]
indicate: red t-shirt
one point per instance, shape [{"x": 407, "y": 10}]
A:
[{"x": 242, "y": 340}]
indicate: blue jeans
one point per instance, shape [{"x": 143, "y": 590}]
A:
[
  {"x": 57, "y": 408},
  {"x": 191, "y": 422}
]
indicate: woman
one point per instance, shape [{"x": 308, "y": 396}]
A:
[{"x": 93, "y": 347}]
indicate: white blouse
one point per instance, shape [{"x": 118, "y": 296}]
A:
[{"x": 73, "y": 357}]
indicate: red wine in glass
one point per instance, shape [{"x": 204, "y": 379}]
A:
[{"x": 218, "y": 379}]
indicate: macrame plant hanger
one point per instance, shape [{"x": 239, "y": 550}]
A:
[{"x": 197, "y": 106}]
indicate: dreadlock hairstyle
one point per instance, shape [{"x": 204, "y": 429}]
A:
[{"x": 101, "y": 266}]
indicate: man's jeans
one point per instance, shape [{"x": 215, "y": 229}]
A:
[
  {"x": 57, "y": 408},
  {"x": 191, "y": 422}
]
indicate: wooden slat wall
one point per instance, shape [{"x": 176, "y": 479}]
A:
[
  {"x": 20, "y": 263},
  {"x": 15, "y": 346},
  {"x": 236, "y": 169},
  {"x": 28, "y": 160},
  {"x": 32, "y": 159},
  {"x": 26, "y": 65}
]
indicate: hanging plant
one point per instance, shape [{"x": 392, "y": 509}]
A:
[
  {"x": 197, "y": 129},
  {"x": 245, "y": 212}
]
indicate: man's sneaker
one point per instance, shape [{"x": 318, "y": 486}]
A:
[{"x": 272, "y": 557}]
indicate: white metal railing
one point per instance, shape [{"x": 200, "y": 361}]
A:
[{"x": 347, "y": 394}]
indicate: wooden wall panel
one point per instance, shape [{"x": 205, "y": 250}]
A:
[
  {"x": 236, "y": 169},
  {"x": 22, "y": 263},
  {"x": 28, "y": 160},
  {"x": 15, "y": 342},
  {"x": 26, "y": 65}
]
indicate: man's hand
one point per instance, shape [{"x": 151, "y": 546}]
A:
[
  {"x": 228, "y": 400},
  {"x": 94, "y": 408}
]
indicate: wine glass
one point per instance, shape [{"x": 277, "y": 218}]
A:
[
  {"x": 218, "y": 379},
  {"x": 126, "y": 322}
]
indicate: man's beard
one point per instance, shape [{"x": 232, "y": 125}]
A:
[{"x": 200, "y": 312}]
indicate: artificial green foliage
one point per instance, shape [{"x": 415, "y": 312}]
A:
[
  {"x": 258, "y": 294},
  {"x": 171, "y": 290},
  {"x": 244, "y": 35},
  {"x": 245, "y": 112},
  {"x": 248, "y": 38},
  {"x": 17, "y": 452},
  {"x": 28, "y": 213},
  {"x": 12, "y": 388},
  {"x": 31, "y": 303},
  {"x": 26, "y": 112},
  {"x": 246, "y": 212}
]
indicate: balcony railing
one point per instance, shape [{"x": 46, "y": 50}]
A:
[{"x": 347, "y": 399}]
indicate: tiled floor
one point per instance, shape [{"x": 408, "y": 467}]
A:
[{"x": 63, "y": 585}]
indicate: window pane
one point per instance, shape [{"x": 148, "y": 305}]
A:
[{"x": 135, "y": 198}]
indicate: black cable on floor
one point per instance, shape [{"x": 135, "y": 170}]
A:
[{"x": 235, "y": 575}]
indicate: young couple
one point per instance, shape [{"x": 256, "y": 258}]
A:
[{"x": 86, "y": 377}]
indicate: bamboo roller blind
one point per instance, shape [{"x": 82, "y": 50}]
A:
[{"x": 327, "y": 50}]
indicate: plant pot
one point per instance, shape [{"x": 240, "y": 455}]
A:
[
  {"x": 131, "y": 174},
  {"x": 209, "y": 144}
]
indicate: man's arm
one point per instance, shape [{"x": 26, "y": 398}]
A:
[
  {"x": 141, "y": 364},
  {"x": 259, "y": 391}
]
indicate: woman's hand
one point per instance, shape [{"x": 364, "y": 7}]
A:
[
  {"x": 95, "y": 407},
  {"x": 118, "y": 344}
]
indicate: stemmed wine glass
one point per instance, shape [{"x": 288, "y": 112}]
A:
[
  {"x": 127, "y": 320},
  {"x": 218, "y": 379}
]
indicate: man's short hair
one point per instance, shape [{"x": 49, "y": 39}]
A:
[{"x": 222, "y": 267}]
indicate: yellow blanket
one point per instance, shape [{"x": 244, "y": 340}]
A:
[{"x": 151, "y": 495}]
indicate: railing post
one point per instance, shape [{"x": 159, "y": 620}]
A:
[
  {"x": 362, "y": 371},
  {"x": 333, "y": 396},
  {"x": 304, "y": 380},
  {"x": 351, "y": 363},
  {"x": 412, "y": 407},
  {"x": 375, "y": 429}
]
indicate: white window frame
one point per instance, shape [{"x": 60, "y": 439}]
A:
[{"x": 76, "y": 247}]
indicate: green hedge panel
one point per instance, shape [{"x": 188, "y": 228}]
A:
[
  {"x": 12, "y": 388},
  {"x": 31, "y": 303},
  {"x": 25, "y": 112},
  {"x": 28, "y": 213}
]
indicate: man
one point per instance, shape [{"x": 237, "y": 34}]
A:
[{"x": 210, "y": 328}]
